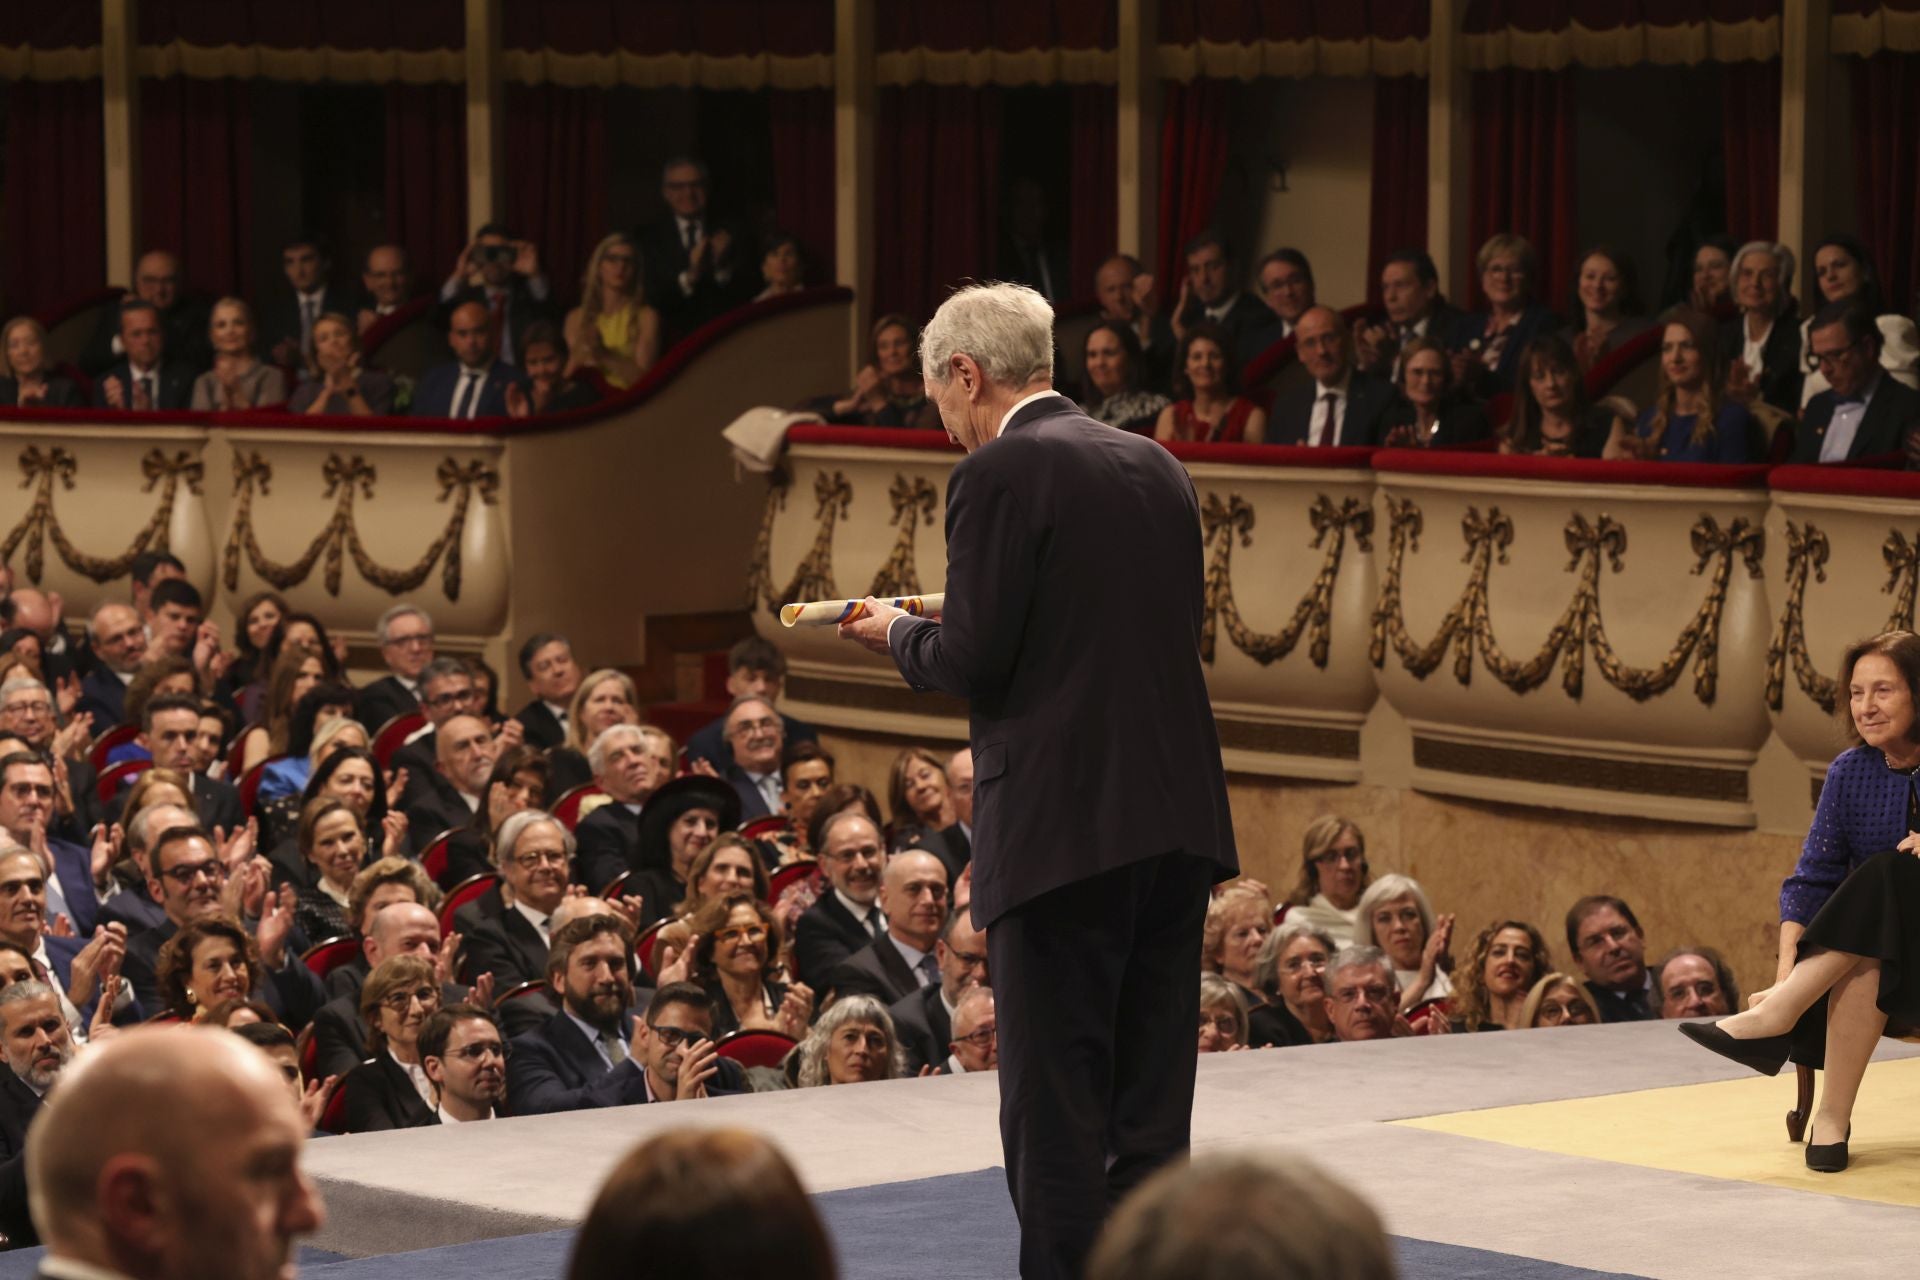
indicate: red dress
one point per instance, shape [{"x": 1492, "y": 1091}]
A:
[{"x": 1189, "y": 426}]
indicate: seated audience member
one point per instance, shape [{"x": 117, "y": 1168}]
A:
[
  {"x": 533, "y": 851},
  {"x": 171, "y": 726},
  {"x": 231, "y": 1015},
  {"x": 1758, "y": 347},
  {"x": 736, "y": 948},
  {"x": 552, "y": 676},
  {"x": 1223, "y": 1015},
  {"x": 1333, "y": 875},
  {"x": 1551, "y": 414},
  {"x": 1363, "y": 1000},
  {"x": 924, "y": 813},
  {"x": 520, "y": 781},
  {"x": 889, "y": 391},
  {"x": 613, "y": 329},
  {"x": 1486, "y": 345},
  {"x": 401, "y": 928},
  {"x": 1711, "y": 287},
  {"x": 166, "y": 674},
  {"x": 335, "y": 849},
  {"x": 729, "y": 867},
  {"x": 1603, "y": 933},
  {"x": 1208, "y": 406},
  {"x": 1429, "y": 414},
  {"x": 464, "y": 751},
  {"x": 26, "y": 813},
  {"x": 976, "y": 1035},
  {"x": 1239, "y": 918},
  {"x": 806, "y": 776},
  {"x": 758, "y": 738},
  {"x": 279, "y": 1047},
  {"x": 239, "y": 379},
  {"x": 924, "y": 1018},
  {"x": 675, "y": 1046},
  {"x": 150, "y": 569},
  {"x": 1114, "y": 368},
  {"x": 1688, "y": 421},
  {"x": 388, "y": 283},
  {"x": 73, "y": 969},
  {"x": 1506, "y": 959},
  {"x": 913, "y": 898},
  {"x": 848, "y": 917},
  {"x": 783, "y": 267},
  {"x": 119, "y": 644},
  {"x": 390, "y": 1090},
  {"x": 348, "y": 773},
  {"x": 143, "y": 380},
  {"x": 262, "y": 618},
  {"x": 690, "y": 257},
  {"x": 322, "y": 723},
  {"x": 549, "y": 388},
  {"x": 29, "y": 379},
  {"x": 583, "y": 1056},
  {"x": 382, "y": 883},
  {"x": 1606, "y": 307},
  {"x": 851, "y": 1042},
  {"x": 756, "y": 667},
  {"x": 38, "y": 1046},
  {"x": 1288, "y": 974},
  {"x": 335, "y": 381},
  {"x": 627, "y": 768},
  {"x": 288, "y": 321},
  {"x": 447, "y": 689},
  {"x": 173, "y": 615},
  {"x": 682, "y": 818},
  {"x": 501, "y": 275},
  {"x": 1395, "y": 917},
  {"x": 703, "y": 1203},
  {"x": 294, "y": 672},
  {"x": 1126, "y": 297},
  {"x": 155, "y": 802},
  {"x": 1243, "y": 1214},
  {"x": 156, "y": 280},
  {"x": 604, "y": 698},
  {"x": 206, "y": 964},
  {"x": 478, "y": 382},
  {"x": 1410, "y": 295},
  {"x": 1865, "y": 413},
  {"x": 1843, "y": 270},
  {"x": 1694, "y": 982},
  {"x": 465, "y": 1060},
  {"x": 1285, "y": 281},
  {"x": 405, "y": 635},
  {"x": 1028, "y": 255},
  {"x": 1559, "y": 1000},
  {"x": 1211, "y": 295},
  {"x": 1341, "y": 405}
]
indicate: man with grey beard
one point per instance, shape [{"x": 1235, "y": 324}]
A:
[{"x": 38, "y": 1046}]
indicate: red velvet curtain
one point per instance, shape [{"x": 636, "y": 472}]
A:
[
  {"x": 1093, "y": 226},
  {"x": 1750, "y": 130},
  {"x": 55, "y": 195},
  {"x": 1523, "y": 173},
  {"x": 1397, "y": 217},
  {"x": 427, "y": 176},
  {"x": 803, "y": 161},
  {"x": 196, "y": 179},
  {"x": 556, "y": 177},
  {"x": 1886, "y": 165},
  {"x": 937, "y": 151},
  {"x": 1194, "y": 123}
]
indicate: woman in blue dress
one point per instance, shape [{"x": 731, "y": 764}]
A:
[
  {"x": 1691, "y": 420},
  {"x": 1850, "y": 912}
]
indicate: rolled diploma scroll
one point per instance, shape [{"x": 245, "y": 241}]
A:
[{"x": 826, "y": 613}]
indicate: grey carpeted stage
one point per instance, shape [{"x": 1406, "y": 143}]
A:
[{"x": 397, "y": 1192}]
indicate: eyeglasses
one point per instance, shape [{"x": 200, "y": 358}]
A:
[
  {"x": 185, "y": 874},
  {"x": 971, "y": 959},
  {"x": 424, "y": 638},
  {"x": 1378, "y": 993},
  {"x": 540, "y": 857},
  {"x": 1827, "y": 359},
  {"x": 1315, "y": 962},
  {"x": 747, "y": 933},
  {"x": 399, "y": 1001},
  {"x": 40, "y": 708},
  {"x": 674, "y": 1037},
  {"x": 439, "y": 700},
  {"x": 479, "y": 1052},
  {"x": 747, "y": 728},
  {"x": 980, "y": 1039},
  {"x": 1351, "y": 857},
  {"x": 25, "y": 789}
]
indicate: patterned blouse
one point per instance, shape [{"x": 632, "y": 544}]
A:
[{"x": 1864, "y": 809}]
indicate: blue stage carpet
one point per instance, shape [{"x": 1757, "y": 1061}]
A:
[{"x": 963, "y": 1223}]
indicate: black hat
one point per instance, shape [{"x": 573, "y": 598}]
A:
[{"x": 665, "y": 807}]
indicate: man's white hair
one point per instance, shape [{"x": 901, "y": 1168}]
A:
[{"x": 1006, "y": 328}]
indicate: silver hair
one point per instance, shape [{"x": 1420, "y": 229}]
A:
[
  {"x": 843, "y": 1012},
  {"x": 394, "y": 615},
  {"x": 140, "y": 829},
  {"x": 1386, "y": 889},
  {"x": 1359, "y": 956},
  {"x": 329, "y": 731},
  {"x": 1779, "y": 251},
  {"x": 31, "y": 989},
  {"x": 516, "y": 826},
  {"x": 16, "y": 683},
  {"x": 1006, "y": 328},
  {"x": 1266, "y": 965},
  {"x": 610, "y": 737},
  {"x": 835, "y": 819}
]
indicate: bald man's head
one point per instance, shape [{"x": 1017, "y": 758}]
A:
[
  {"x": 402, "y": 929},
  {"x": 173, "y": 1153},
  {"x": 578, "y": 909},
  {"x": 913, "y": 893}
]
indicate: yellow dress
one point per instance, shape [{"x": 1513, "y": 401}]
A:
[{"x": 619, "y": 330}]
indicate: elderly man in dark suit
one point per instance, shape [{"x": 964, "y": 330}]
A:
[
  {"x": 38, "y": 1046},
  {"x": 923, "y": 1019},
  {"x": 1864, "y": 413},
  {"x": 623, "y": 764},
  {"x": 534, "y": 854},
  {"x": 405, "y": 635},
  {"x": 913, "y": 894},
  {"x": 476, "y": 384},
  {"x": 144, "y": 380},
  {"x": 1410, "y": 295},
  {"x": 692, "y": 258},
  {"x": 1339, "y": 405},
  {"x": 1099, "y": 804},
  {"x": 552, "y": 676},
  {"x": 156, "y": 279},
  {"x": 848, "y": 916},
  {"x": 119, "y": 641}
]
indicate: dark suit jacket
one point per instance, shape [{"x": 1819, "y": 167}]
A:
[
  {"x": 542, "y": 726},
  {"x": 19, "y": 1106},
  {"x": 709, "y": 741},
  {"x": 380, "y": 1096},
  {"x": 1245, "y": 315},
  {"x": 921, "y": 1024},
  {"x": 61, "y": 393},
  {"x": 752, "y": 803},
  {"x": 339, "y": 1033},
  {"x": 1369, "y": 399},
  {"x": 1020, "y": 264},
  {"x": 348, "y": 979},
  {"x": 1894, "y": 409},
  {"x": 490, "y": 905},
  {"x": 132, "y": 906},
  {"x": 217, "y": 803},
  {"x": 605, "y": 842},
  {"x": 1616, "y": 1006},
  {"x": 187, "y": 339},
  {"x": 104, "y": 696},
  {"x": 1087, "y": 755},
  {"x": 381, "y": 701},
  {"x": 826, "y": 934},
  {"x": 523, "y": 309},
  {"x": 1459, "y": 424},
  {"x": 664, "y": 254},
  {"x": 506, "y": 946},
  {"x": 73, "y": 866},
  {"x": 878, "y": 970},
  {"x": 173, "y": 389},
  {"x": 60, "y": 954},
  {"x": 556, "y": 1068},
  {"x": 280, "y": 313},
  {"x": 433, "y": 397},
  {"x": 1780, "y": 373},
  {"x": 436, "y": 810},
  {"x": 1468, "y": 327}
]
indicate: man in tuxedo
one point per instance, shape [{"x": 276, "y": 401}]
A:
[
  {"x": 1605, "y": 935},
  {"x": 1410, "y": 294},
  {"x": 1341, "y": 405},
  {"x": 1285, "y": 281},
  {"x": 156, "y": 280},
  {"x": 171, "y": 1152},
  {"x": 913, "y": 896},
  {"x": 287, "y": 319},
  {"x": 144, "y": 380},
  {"x": 1863, "y": 413},
  {"x": 1213, "y": 294},
  {"x": 623, "y": 764},
  {"x": 1760, "y": 347},
  {"x": 692, "y": 261},
  {"x": 464, "y": 1056},
  {"x": 1100, "y": 806},
  {"x": 582, "y": 1056},
  {"x": 546, "y": 661},
  {"x": 464, "y": 751},
  {"x": 923, "y": 1018},
  {"x": 758, "y": 739},
  {"x": 26, "y": 809},
  {"x": 387, "y": 282},
  {"x": 534, "y": 852},
  {"x": 475, "y": 385},
  {"x": 755, "y": 668},
  {"x": 405, "y": 634},
  {"x": 501, "y": 276},
  {"x": 38, "y": 1046},
  {"x": 847, "y": 917}
]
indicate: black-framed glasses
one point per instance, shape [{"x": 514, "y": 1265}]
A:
[
  {"x": 540, "y": 857},
  {"x": 398, "y": 1001},
  {"x": 981, "y": 1038},
  {"x": 1824, "y": 359},
  {"x": 1349, "y": 856},
  {"x": 187, "y": 872}
]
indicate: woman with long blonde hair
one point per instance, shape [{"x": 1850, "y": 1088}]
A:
[{"x": 613, "y": 329}]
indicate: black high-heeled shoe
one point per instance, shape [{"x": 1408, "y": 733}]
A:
[
  {"x": 1829, "y": 1157},
  {"x": 1765, "y": 1055}
]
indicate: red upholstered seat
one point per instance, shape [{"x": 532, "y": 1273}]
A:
[
  {"x": 250, "y": 785},
  {"x": 644, "y": 944},
  {"x": 394, "y": 734},
  {"x": 433, "y": 858},
  {"x": 567, "y": 807},
  {"x": 792, "y": 874},
  {"x": 532, "y": 987},
  {"x": 104, "y": 745},
  {"x": 324, "y": 957},
  {"x": 111, "y": 780},
  {"x": 756, "y": 1048},
  {"x": 463, "y": 893}
]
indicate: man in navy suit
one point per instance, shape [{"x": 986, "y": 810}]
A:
[
  {"x": 847, "y": 917},
  {"x": 694, "y": 267},
  {"x": 120, "y": 643},
  {"x": 754, "y": 667},
  {"x": 1864, "y": 413},
  {"x": 758, "y": 738},
  {"x": 913, "y": 894},
  {"x": 1099, "y": 803},
  {"x": 1340, "y": 405},
  {"x": 26, "y": 807},
  {"x": 582, "y": 1056},
  {"x": 144, "y": 380},
  {"x": 924, "y": 1018},
  {"x": 1212, "y": 292},
  {"x": 476, "y": 384},
  {"x": 552, "y": 675},
  {"x": 287, "y": 318},
  {"x": 37, "y": 1045}
]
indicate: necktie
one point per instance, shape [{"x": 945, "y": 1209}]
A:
[
  {"x": 309, "y": 312},
  {"x": 876, "y": 923},
  {"x": 929, "y": 970},
  {"x": 468, "y": 393},
  {"x": 693, "y": 233},
  {"x": 616, "y": 1047},
  {"x": 500, "y": 341},
  {"x": 146, "y": 391},
  {"x": 1327, "y": 402}
]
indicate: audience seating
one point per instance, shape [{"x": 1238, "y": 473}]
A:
[
  {"x": 782, "y": 879},
  {"x": 568, "y": 807},
  {"x": 250, "y": 785},
  {"x": 394, "y": 734},
  {"x": 463, "y": 893},
  {"x": 433, "y": 858},
  {"x": 112, "y": 779},
  {"x": 616, "y": 887},
  {"x": 755, "y": 1048},
  {"x": 531, "y": 987},
  {"x": 105, "y": 745},
  {"x": 324, "y": 957},
  {"x": 644, "y": 944}
]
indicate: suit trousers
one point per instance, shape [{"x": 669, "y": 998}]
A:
[{"x": 1096, "y": 990}]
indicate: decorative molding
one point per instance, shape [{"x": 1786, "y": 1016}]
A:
[
  {"x": 913, "y": 502},
  {"x": 813, "y": 577},
  {"x": 1807, "y": 553},
  {"x": 41, "y": 472},
  {"x": 856, "y": 695},
  {"x": 1581, "y": 772},
  {"x": 1468, "y": 625},
  {"x": 1271, "y": 738},
  {"x": 346, "y": 477},
  {"x": 1221, "y": 522}
]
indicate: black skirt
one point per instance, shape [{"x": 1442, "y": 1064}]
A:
[{"x": 1875, "y": 913}]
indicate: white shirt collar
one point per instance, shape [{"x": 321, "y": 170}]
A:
[
  {"x": 538, "y": 919},
  {"x": 1220, "y": 308},
  {"x": 446, "y": 1117},
  {"x": 1018, "y": 405},
  {"x": 559, "y": 712},
  {"x": 1339, "y": 388},
  {"x": 908, "y": 952},
  {"x": 953, "y": 1065},
  {"x": 854, "y": 909},
  {"x": 316, "y": 295}
]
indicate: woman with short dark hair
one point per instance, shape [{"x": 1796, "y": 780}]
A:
[
  {"x": 1431, "y": 413},
  {"x": 1552, "y": 416},
  {"x": 736, "y": 953},
  {"x": 1114, "y": 366},
  {"x": 391, "y": 1090}
]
